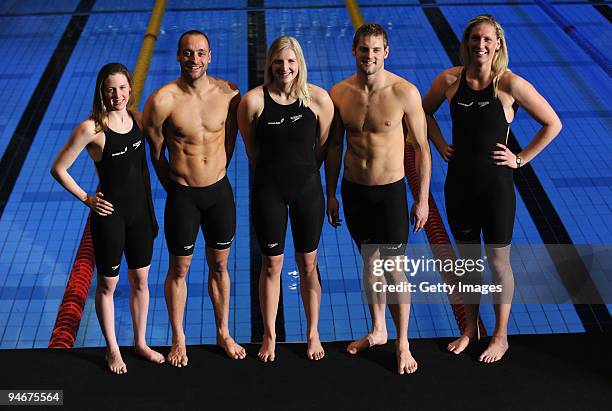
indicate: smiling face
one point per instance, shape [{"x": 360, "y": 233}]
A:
[
  {"x": 285, "y": 67},
  {"x": 370, "y": 54},
  {"x": 482, "y": 44},
  {"x": 193, "y": 56},
  {"x": 116, "y": 92}
]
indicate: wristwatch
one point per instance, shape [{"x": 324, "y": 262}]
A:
[{"x": 519, "y": 161}]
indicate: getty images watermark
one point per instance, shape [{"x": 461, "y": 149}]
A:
[{"x": 537, "y": 274}]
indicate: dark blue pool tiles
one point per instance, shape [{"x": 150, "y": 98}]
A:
[
  {"x": 37, "y": 6},
  {"x": 589, "y": 23},
  {"x": 40, "y": 239},
  {"x": 26, "y": 45}
]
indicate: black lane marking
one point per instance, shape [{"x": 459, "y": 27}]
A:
[{"x": 21, "y": 141}]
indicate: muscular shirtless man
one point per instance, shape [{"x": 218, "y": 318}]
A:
[
  {"x": 195, "y": 118},
  {"x": 378, "y": 110}
]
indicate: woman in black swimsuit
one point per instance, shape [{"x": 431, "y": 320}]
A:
[
  {"x": 122, "y": 218},
  {"x": 285, "y": 124},
  {"x": 479, "y": 189}
]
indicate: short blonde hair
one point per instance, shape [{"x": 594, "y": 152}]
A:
[
  {"x": 299, "y": 89},
  {"x": 500, "y": 61}
]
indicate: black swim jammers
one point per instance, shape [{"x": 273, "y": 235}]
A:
[
  {"x": 377, "y": 215},
  {"x": 187, "y": 208}
]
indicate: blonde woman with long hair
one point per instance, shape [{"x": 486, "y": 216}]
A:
[
  {"x": 285, "y": 124},
  {"x": 479, "y": 189}
]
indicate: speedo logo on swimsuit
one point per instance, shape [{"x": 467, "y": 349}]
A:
[
  {"x": 272, "y": 245},
  {"x": 226, "y": 243},
  {"x": 275, "y": 123},
  {"x": 115, "y": 267},
  {"x": 465, "y": 104},
  {"x": 188, "y": 247},
  {"x": 119, "y": 152},
  {"x": 482, "y": 104},
  {"x": 295, "y": 118},
  {"x": 136, "y": 144}
]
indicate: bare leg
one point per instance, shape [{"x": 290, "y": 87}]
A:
[
  {"x": 468, "y": 250},
  {"x": 176, "y": 296},
  {"x": 399, "y": 305},
  {"x": 405, "y": 361},
  {"x": 105, "y": 310},
  {"x": 499, "y": 262},
  {"x": 269, "y": 294},
  {"x": 310, "y": 288},
  {"x": 219, "y": 290},
  {"x": 378, "y": 333},
  {"x": 139, "y": 307}
]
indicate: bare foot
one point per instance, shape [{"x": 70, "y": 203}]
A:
[
  {"x": 405, "y": 361},
  {"x": 496, "y": 349},
  {"x": 178, "y": 354},
  {"x": 115, "y": 362},
  {"x": 373, "y": 338},
  {"x": 315, "y": 349},
  {"x": 148, "y": 354},
  {"x": 266, "y": 352},
  {"x": 461, "y": 343},
  {"x": 231, "y": 347}
]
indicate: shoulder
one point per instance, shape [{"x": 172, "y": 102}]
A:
[
  {"x": 512, "y": 83},
  {"x": 400, "y": 87},
  {"x": 318, "y": 95},
  {"x": 254, "y": 98},
  {"x": 164, "y": 95},
  {"x": 341, "y": 88},
  {"x": 448, "y": 77},
  {"x": 86, "y": 129},
  {"x": 224, "y": 86}
]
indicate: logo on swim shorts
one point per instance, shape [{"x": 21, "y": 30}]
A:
[
  {"x": 226, "y": 243},
  {"x": 188, "y": 247},
  {"x": 482, "y": 104},
  {"x": 119, "y": 152},
  {"x": 276, "y": 123},
  {"x": 137, "y": 144},
  {"x": 295, "y": 118},
  {"x": 465, "y": 104},
  {"x": 272, "y": 245},
  {"x": 115, "y": 267}
]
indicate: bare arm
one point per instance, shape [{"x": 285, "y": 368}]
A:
[
  {"x": 231, "y": 128},
  {"x": 528, "y": 97},
  {"x": 333, "y": 161},
  {"x": 416, "y": 126},
  {"x": 432, "y": 100},
  {"x": 325, "y": 114},
  {"x": 83, "y": 135},
  {"x": 156, "y": 111},
  {"x": 248, "y": 109}
]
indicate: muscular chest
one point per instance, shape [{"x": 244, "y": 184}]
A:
[
  {"x": 374, "y": 114},
  {"x": 195, "y": 117}
]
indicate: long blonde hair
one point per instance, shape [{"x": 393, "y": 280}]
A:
[
  {"x": 299, "y": 89},
  {"x": 99, "y": 113},
  {"x": 500, "y": 61}
]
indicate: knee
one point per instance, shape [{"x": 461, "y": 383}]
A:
[
  {"x": 105, "y": 287},
  {"x": 217, "y": 268},
  {"x": 179, "y": 270},
  {"x": 139, "y": 284},
  {"x": 308, "y": 267},
  {"x": 499, "y": 267},
  {"x": 272, "y": 267}
]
